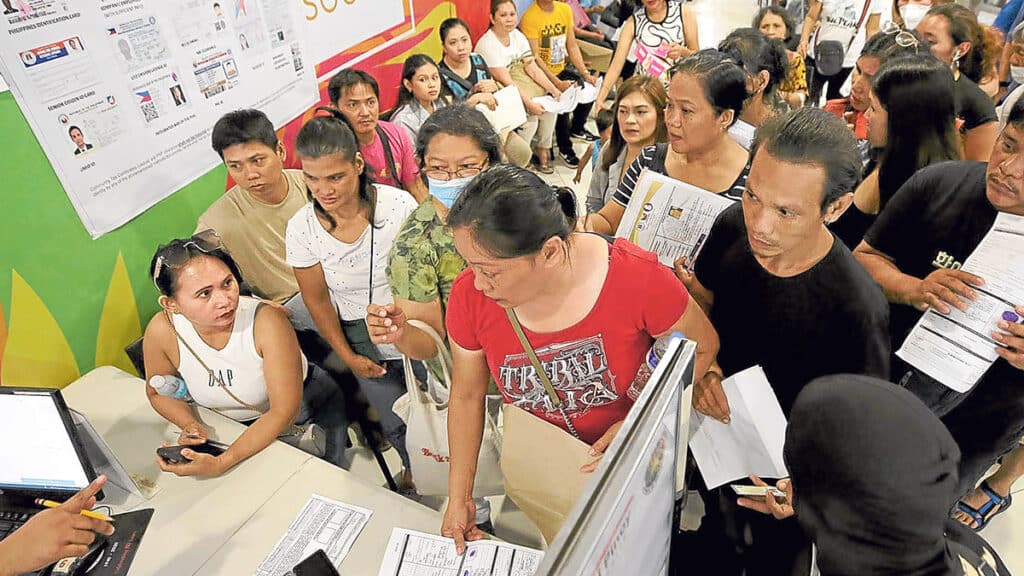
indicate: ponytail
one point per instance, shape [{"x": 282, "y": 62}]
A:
[{"x": 512, "y": 212}]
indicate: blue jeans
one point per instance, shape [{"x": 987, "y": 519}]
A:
[{"x": 382, "y": 393}]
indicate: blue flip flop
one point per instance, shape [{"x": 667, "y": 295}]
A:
[{"x": 983, "y": 515}]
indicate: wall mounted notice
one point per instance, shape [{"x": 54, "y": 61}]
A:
[{"x": 122, "y": 94}]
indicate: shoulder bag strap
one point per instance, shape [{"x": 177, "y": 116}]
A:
[
  {"x": 863, "y": 15},
  {"x": 539, "y": 368},
  {"x": 213, "y": 375},
  {"x": 388, "y": 156},
  {"x": 453, "y": 76}
]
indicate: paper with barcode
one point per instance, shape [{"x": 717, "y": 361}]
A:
[{"x": 322, "y": 524}]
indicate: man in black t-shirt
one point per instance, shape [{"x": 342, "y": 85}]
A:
[
  {"x": 914, "y": 251},
  {"x": 784, "y": 293}
]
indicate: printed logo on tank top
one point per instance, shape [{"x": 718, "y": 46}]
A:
[
  {"x": 226, "y": 375},
  {"x": 945, "y": 260},
  {"x": 578, "y": 371}
]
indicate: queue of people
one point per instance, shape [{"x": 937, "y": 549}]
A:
[{"x": 847, "y": 223}]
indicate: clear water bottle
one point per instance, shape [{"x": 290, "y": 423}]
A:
[
  {"x": 643, "y": 373},
  {"x": 170, "y": 386}
]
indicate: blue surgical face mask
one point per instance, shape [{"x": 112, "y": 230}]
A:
[{"x": 447, "y": 191}]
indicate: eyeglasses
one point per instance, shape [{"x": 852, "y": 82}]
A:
[
  {"x": 178, "y": 253},
  {"x": 904, "y": 39},
  {"x": 446, "y": 175}
]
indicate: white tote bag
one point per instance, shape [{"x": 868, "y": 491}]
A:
[{"x": 426, "y": 438}]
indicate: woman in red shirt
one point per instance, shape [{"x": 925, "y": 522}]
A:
[{"x": 590, "y": 308}]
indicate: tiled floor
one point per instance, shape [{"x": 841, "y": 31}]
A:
[{"x": 716, "y": 19}]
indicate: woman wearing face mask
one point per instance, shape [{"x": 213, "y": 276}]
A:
[
  {"x": 455, "y": 144},
  {"x": 764, "y": 60},
  {"x": 776, "y": 23},
  {"x": 470, "y": 82},
  {"x": 873, "y": 474},
  {"x": 337, "y": 246},
  {"x": 958, "y": 40},
  {"x": 911, "y": 123},
  {"x": 909, "y": 13},
  {"x": 572, "y": 296},
  {"x": 422, "y": 91},
  {"x": 236, "y": 356},
  {"x": 705, "y": 96},
  {"x": 639, "y": 122}
]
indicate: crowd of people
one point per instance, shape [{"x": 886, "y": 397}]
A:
[{"x": 851, "y": 216}]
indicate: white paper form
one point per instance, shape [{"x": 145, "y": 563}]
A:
[
  {"x": 322, "y": 524},
  {"x": 751, "y": 443},
  {"x": 669, "y": 217},
  {"x": 510, "y": 112},
  {"x": 565, "y": 103},
  {"x": 412, "y": 553},
  {"x": 957, "y": 348}
]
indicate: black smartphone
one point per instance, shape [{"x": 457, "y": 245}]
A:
[
  {"x": 173, "y": 455},
  {"x": 318, "y": 564}
]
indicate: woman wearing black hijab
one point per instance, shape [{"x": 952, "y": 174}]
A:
[{"x": 874, "y": 474}]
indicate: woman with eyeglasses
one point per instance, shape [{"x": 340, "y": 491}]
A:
[
  {"x": 957, "y": 39},
  {"x": 237, "y": 355},
  {"x": 705, "y": 97},
  {"x": 338, "y": 246},
  {"x": 911, "y": 123},
  {"x": 591, "y": 310},
  {"x": 455, "y": 145}
]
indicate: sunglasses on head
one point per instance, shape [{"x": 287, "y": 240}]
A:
[
  {"x": 904, "y": 39},
  {"x": 179, "y": 252}
]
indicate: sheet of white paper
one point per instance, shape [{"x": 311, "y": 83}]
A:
[
  {"x": 510, "y": 112},
  {"x": 588, "y": 93},
  {"x": 751, "y": 443},
  {"x": 322, "y": 524},
  {"x": 957, "y": 348},
  {"x": 411, "y": 553},
  {"x": 566, "y": 103},
  {"x": 669, "y": 217}
]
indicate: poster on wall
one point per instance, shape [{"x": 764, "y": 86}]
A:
[
  {"x": 123, "y": 94},
  {"x": 334, "y": 27}
]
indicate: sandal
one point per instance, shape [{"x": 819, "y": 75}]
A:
[
  {"x": 543, "y": 168},
  {"x": 983, "y": 515}
]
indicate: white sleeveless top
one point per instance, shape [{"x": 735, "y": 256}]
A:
[{"x": 238, "y": 366}]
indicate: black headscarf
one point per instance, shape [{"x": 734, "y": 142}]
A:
[{"x": 874, "y": 472}]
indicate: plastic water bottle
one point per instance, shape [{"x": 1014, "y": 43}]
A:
[
  {"x": 644, "y": 372},
  {"x": 170, "y": 386}
]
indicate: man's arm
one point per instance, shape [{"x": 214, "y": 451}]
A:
[
  {"x": 551, "y": 76},
  {"x": 576, "y": 57},
  {"x": 940, "y": 289}
]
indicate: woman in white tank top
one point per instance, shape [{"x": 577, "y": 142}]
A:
[{"x": 236, "y": 356}]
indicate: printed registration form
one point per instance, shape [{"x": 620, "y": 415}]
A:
[
  {"x": 411, "y": 553},
  {"x": 957, "y": 348}
]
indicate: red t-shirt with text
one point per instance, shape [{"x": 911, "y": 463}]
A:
[{"x": 591, "y": 364}]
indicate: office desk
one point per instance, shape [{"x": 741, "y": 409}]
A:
[{"x": 227, "y": 525}]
